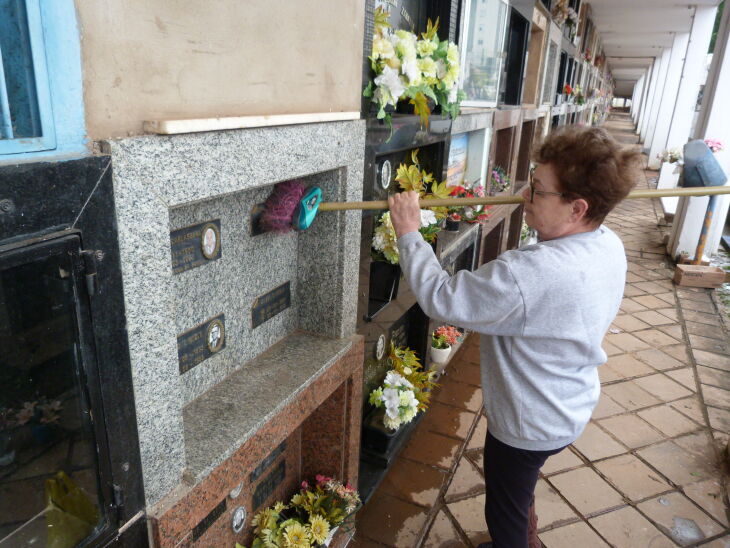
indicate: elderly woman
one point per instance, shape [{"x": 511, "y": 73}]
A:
[{"x": 541, "y": 313}]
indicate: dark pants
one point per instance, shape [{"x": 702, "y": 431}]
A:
[{"x": 511, "y": 475}]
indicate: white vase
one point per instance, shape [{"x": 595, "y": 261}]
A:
[
  {"x": 330, "y": 536},
  {"x": 440, "y": 356}
]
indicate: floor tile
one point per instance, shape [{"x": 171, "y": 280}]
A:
[
  {"x": 678, "y": 352},
  {"x": 463, "y": 371},
  {"x": 632, "y": 477},
  {"x": 676, "y": 463},
  {"x": 476, "y": 457},
  {"x": 627, "y": 528},
  {"x": 630, "y": 305},
  {"x": 670, "y": 313},
  {"x": 650, "y": 301},
  {"x": 431, "y": 449},
  {"x": 458, "y": 394},
  {"x": 712, "y": 331},
  {"x": 391, "y": 521},
  {"x": 413, "y": 482},
  {"x": 684, "y": 293},
  {"x": 551, "y": 509},
  {"x": 723, "y": 542},
  {"x": 690, "y": 407},
  {"x": 716, "y": 396},
  {"x": 632, "y": 291},
  {"x": 595, "y": 444},
  {"x": 631, "y": 430},
  {"x": 714, "y": 377},
  {"x": 685, "y": 523},
  {"x": 655, "y": 338},
  {"x": 630, "y": 395},
  {"x": 626, "y": 322},
  {"x": 607, "y": 407},
  {"x": 719, "y": 419},
  {"x": 668, "y": 421},
  {"x": 564, "y": 460},
  {"x": 442, "y": 534},
  {"x": 469, "y": 514},
  {"x": 467, "y": 481},
  {"x": 362, "y": 542},
  {"x": 709, "y": 345},
  {"x": 607, "y": 375},
  {"x": 651, "y": 287},
  {"x": 586, "y": 490},
  {"x": 626, "y": 342},
  {"x": 710, "y": 359},
  {"x": 658, "y": 359},
  {"x": 701, "y": 317},
  {"x": 479, "y": 435},
  {"x": 708, "y": 494},
  {"x": 673, "y": 331},
  {"x": 653, "y": 318},
  {"x": 610, "y": 349},
  {"x": 626, "y": 366},
  {"x": 575, "y": 535},
  {"x": 663, "y": 387},
  {"x": 685, "y": 377},
  {"x": 667, "y": 298},
  {"x": 447, "y": 420},
  {"x": 705, "y": 306}
]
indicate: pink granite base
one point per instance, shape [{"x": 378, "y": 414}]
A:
[{"x": 321, "y": 429}]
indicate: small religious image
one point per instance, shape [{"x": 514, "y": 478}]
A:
[
  {"x": 215, "y": 336},
  {"x": 210, "y": 241}
]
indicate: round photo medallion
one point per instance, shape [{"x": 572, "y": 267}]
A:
[
  {"x": 215, "y": 336},
  {"x": 385, "y": 173},
  {"x": 210, "y": 240},
  {"x": 380, "y": 348}
]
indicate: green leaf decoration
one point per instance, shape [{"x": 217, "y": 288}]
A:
[
  {"x": 440, "y": 190},
  {"x": 431, "y": 30},
  {"x": 381, "y": 17},
  {"x": 368, "y": 91},
  {"x": 420, "y": 107},
  {"x": 409, "y": 178}
]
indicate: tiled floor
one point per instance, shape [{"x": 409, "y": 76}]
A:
[{"x": 647, "y": 471}]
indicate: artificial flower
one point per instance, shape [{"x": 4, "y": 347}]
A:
[
  {"x": 296, "y": 536},
  {"x": 318, "y": 528},
  {"x": 391, "y": 85}
]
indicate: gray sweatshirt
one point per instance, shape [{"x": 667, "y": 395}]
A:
[{"x": 542, "y": 312}]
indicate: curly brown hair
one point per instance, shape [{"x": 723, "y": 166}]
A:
[{"x": 592, "y": 165}]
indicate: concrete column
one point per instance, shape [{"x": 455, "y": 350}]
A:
[
  {"x": 693, "y": 75},
  {"x": 636, "y": 99},
  {"x": 658, "y": 141},
  {"x": 653, "y": 112},
  {"x": 648, "y": 89},
  {"x": 712, "y": 123}
]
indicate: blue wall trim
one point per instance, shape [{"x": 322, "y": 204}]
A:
[{"x": 63, "y": 57}]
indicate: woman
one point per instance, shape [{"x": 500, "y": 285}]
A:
[{"x": 541, "y": 313}]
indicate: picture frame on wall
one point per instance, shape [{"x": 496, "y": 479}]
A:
[{"x": 482, "y": 44}]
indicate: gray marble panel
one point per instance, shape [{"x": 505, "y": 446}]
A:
[
  {"x": 222, "y": 419},
  {"x": 167, "y": 182},
  {"x": 471, "y": 121}
]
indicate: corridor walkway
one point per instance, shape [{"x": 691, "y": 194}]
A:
[{"x": 647, "y": 472}]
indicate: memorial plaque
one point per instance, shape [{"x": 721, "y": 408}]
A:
[
  {"x": 201, "y": 342},
  {"x": 208, "y": 520},
  {"x": 269, "y": 305},
  {"x": 195, "y": 245},
  {"x": 267, "y": 486},
  {"x": 261, "y": 468}
]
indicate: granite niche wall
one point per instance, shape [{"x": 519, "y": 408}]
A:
[{"x": 245, "y": 363}]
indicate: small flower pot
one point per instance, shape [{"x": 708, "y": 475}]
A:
[
  {"x": 375, "y": 436},
  {"x": 451, "y": 225},
  {"x": 440, "y": 356}
]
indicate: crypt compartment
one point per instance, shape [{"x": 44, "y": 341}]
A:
[{"x": 245, "y": 362}]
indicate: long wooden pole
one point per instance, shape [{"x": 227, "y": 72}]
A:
[{"x": 517, "y": 199}]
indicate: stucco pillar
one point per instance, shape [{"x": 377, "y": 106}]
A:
[
  {"x": 653, "y": 112},
  {"x": 658, "y": 141},
  {"x": 648, "y": 94},
  {"x": 712, "y": 123}
]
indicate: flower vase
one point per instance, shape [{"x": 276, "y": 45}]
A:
[
  {"x": 330, "y": 536},
  {"x": 375, "y": 436},
  {"x": 440, "y": 356},
  {"x": 451, "y": 225}
]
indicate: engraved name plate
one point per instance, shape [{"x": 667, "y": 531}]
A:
[
  {"x": 269, "y": 305},
  {"x": 201, "y": 342},
  {"x": 267, "y": 486},
  {"x": 195, "y": 245}
]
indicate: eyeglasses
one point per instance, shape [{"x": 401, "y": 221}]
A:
[{"x": 534, "y": 191}]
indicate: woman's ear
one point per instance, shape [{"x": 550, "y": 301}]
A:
[{"x": 579, "y": 210}]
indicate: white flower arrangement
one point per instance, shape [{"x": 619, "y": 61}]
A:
[
  {"x": 398, "y": 396},
  {"x": 408, "y": 67},
  {"x": 386, "y": 242},
  {"x": 671, "y": 155}
]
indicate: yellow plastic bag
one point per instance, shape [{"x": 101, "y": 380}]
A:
[{"x": 70, "y": 514}]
